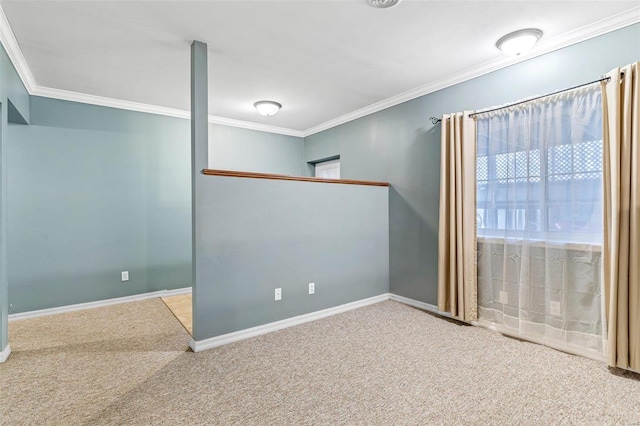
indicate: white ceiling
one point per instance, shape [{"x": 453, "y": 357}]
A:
[{"x": 319, "y": 59}]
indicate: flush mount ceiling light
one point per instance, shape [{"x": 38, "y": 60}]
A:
[
  {"x": 267, "y": 107},
  {"x": 383, "y": 4},
  {"x": 519, "y": 41}
]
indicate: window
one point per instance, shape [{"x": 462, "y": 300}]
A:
[
  {"x": 539, "y": 174},
  {"x": 539, "y": 218},
  {"x": 328, "y": 169}
]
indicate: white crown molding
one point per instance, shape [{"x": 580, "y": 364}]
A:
[
  {"x": 255, "y": 126},
  {"x": 10, "y": 44},
  {"x": 5, "y": 354},
  {"x": 612, "y": 23},
  {"x": 97, "y": 304},
  {"x": 67, "y": 95},
  {"x": 606, "y": 25},
  {"x": 8, "y": 40},
  {"x": 213, "y": 342}
]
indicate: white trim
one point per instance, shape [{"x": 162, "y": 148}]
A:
[
  {"x": 212, "y": 342},
  {"x": 5, "y": 354},
  {"x": 586, "y": 32},
  {"x": 97, "y": 304},
  {"x": 10, "y": 44},
  {"x": 67, "y": 95},
  {"x": 255, "y": 126},
  {"x": 8, "y": 40},
  {"x": 612, "y": 23},
  {"x": 573, "y": 350},
  {"x": 175, "y": 292},
  {"x": 420, "y": 305}
]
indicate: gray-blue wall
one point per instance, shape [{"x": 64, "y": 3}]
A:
[
  {"x": 232, "y": 148},
  {"x": 14, "y": 106},
  {"x": 400, "y": 145},
  {"x": 263, "y": 234},
  {"x": 94, "y": 191}
]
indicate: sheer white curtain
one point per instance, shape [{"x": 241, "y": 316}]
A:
[{"x": 539, "y": 220}]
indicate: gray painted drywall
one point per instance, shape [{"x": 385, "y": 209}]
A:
[
  {"x": 14, "y": 105},
  {"x": 261, "y": 234},
  {"x": 14, "y": 115},
  {"x": 94, "y": 191},
  {"x": 4, "y": 285},
  {"x": 400, "y": 145},
  {"x": 14, "y": 91},
  {"x": 199, "y": 154},
  {"x": 232, "y": 148}
]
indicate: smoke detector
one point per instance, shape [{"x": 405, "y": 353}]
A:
[{"x": 383, "y": 4}]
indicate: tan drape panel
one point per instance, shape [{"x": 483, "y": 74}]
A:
[
  {"x": 621, "y": 118},
  {"x": 457, "y": 248}
]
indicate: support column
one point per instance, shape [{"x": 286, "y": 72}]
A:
[
  {"x": 199, "y": 154},
  {"x": 4, "y": 284}
]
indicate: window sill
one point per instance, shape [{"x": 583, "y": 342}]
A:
[{"x": 546, "y": 244}]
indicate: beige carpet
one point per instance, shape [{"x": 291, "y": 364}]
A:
[{"x": 384, "y": 364}]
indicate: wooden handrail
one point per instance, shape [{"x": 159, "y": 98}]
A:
[{"x": 232, "y": 173}]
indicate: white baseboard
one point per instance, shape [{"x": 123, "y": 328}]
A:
[
  {"x": 5, "y": 354},
  {"x": 176, "y": 292},
  {"x": 585, "y": 353},
  {"x": 212, "y": 342},
  {"x": 98, "y": 304},
  {"x": 420, "y": 305}
]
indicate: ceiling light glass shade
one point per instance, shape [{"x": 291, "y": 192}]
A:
[
  {"x": 383, "y": 3},
  {"x": 519, "y": 42},
  {"x": 267, "y": 107}
]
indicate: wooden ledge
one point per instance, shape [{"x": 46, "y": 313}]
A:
[{"x": 230, "y": 173}]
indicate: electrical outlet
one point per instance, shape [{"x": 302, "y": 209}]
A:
[
  {"x": 312, "y": 288},
  {"x": 554, "y": 308},
  {"x": 504, "y": 297},
  {"x": 278, "y": 294},
  {"x": 125, "y": 276}
]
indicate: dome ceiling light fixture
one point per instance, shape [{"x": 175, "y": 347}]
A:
[
  {"x": 267, "y": 107},
  {"x": 519, "y": 42},
  {"x": 383, "y": 4}
]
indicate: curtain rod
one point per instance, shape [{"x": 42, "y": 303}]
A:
[
  {"x": 435, "y": 120},
  {"x": 542, "y": 96}
]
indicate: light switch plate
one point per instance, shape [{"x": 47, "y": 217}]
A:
[{"x": 125, "y": 276}]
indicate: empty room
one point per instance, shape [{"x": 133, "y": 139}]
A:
[{"x": 306, "y": 212}]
